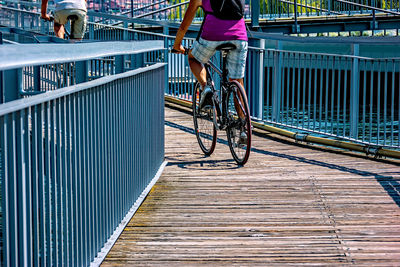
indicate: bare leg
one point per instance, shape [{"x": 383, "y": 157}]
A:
[
  {"x": 237, "y": 106},
  {"x": 198, "y": 70},
  {"x": 59, "y": 30}
]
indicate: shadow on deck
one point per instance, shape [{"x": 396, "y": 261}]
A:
[{"x": 289, "y": 205}]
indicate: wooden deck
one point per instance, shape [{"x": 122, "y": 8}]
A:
[{"x": 290, "y": 205}]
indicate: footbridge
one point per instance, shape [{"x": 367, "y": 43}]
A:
[{"x": 99, "y": 163}]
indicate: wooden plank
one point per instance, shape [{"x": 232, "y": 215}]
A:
[{"x": 290, "y": 205}]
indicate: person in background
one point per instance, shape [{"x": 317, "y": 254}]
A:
[
  {"x": 215, "y": 32},
  {"x": 73, "y": 10}
]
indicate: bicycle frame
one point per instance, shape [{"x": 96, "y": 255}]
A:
[{"x": 224, "y": 88}]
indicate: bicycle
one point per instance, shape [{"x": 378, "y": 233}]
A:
[
  {"x": 230, "y": 112},
  {"x": 67, "y": 34}
]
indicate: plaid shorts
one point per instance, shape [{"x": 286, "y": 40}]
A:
[
  {"x": 78, "y": 25},
  {"x": 203, "y": 50}
]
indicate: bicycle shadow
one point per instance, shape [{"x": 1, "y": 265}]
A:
[
  {"x": 390, "y": 184},
  {"x": 206, "y": 164}
]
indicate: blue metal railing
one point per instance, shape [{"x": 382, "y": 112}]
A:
[
  {"x": 339, "y": 95},
  {"x": 91, "y": 61},
  {"x": 345, "y": 88},
  {"x": 268, "y": 9},
  {"x": 272, "y": 9},
  {"x": 368, "y": 123},
  {"x": 347, "y": 97},
  {"x": 75, "y": 161}
]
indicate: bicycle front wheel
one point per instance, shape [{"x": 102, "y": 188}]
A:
[
  {"x": 204, "y": 127},
  {"x": 239, "y": 123}
]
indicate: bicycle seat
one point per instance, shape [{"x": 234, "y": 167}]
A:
[
  {"x": 226, "y": 47},
  {"x": 72, "y": 17}
]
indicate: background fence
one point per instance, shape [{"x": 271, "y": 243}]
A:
[
  {"x": 174, "y": 10},
  {"x": 342, "y": 96},
  {"x": 319, "y": 86}
]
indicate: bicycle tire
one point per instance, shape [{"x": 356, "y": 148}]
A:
[
  {"x": 204, "y": 127},
  {"x": 239, "y": 147}
]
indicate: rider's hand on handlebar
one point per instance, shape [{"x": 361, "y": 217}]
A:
[
  {"x": 46, "y": 17},
  {"x": 178, "y": 49}
]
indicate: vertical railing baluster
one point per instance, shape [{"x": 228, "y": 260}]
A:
[
  {"x": 294, "y": 77},
  {"x": 5, "y": 190},
  {"x": 392, "y": 104},
  {"x": 277, "y": 86},
  {"x": 354, "y": 95},
  {"x": 378, "y": 102},
  {"x": 69, "y": 183},
  {"x": 385, "y": 101},
  {"x": 346, "y": 95},
  {"x": 364, "y": 68},
  {"x": 371, "y": 100},
  {"x": 340, "y": 124}
]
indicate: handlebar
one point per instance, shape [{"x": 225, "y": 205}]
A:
[
  {"x": 177, "y": 52},
  {"x": 51, "y": 18}
]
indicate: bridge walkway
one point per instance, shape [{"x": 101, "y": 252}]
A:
[{"x": 290, "y": 204}]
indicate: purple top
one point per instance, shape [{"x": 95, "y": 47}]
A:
[{"x": 215, "y": 29}]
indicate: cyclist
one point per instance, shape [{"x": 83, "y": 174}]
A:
[
  {"x": 74, "y": 10},
  {"x": 215, "y": 32}
]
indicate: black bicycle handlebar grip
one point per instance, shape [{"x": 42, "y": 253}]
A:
[
  {"x": 51, "y": 18},
  {"x": 177, "y": 52}
]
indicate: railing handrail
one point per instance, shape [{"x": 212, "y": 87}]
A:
[
  {"x": 37, "y": 36},
  {"x": 147, "y": 6},
  {"x": 39, "y": 54},
  {"x": 328, "y": 40},
  {"x": 107, "y": 16},
  {"x": 135, "y": 10},
  {"x": 310, "y": 7},
  {"x": 135, "y": 30},
  {"x": 325, "y": 54},
  {"x": 23, "y": 103},
  {"x": 256, "y": 35},
  {"x": 369, "y": 7},
  {"x": 162, "y": 9}
]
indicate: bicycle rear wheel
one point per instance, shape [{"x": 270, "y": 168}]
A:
[
  {"x": 204, "y": 127},
  {"x": 239, "y": 123}
]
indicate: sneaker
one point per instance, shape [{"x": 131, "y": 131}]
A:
[
  {"x": 206, "y": 97},
  {"x": 242, "y": 138}
]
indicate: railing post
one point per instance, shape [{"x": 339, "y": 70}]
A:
[
  {"x": 1, "y": 87},
  {"x": 42, "y": 26},
  {"x": 16, "y": 18},
  {"x": 36, "y": 78},
  {"x": 11, "y": 84},
  {"x": 167, "y": 57},
  {"x": 125, "y": 32},
  {"x": 91, "y": 28},
  {"x": 277, "y": 83},
  {"x": 255, "y": 13},
  {"x": 138, "y": 60},
  {"x": 257, "y": 79},
  {"x": 296, "y": 26},
  {"x": 82, "y": 71},
  {"x": 354, "y": 93},
  {"x": 329, "y": 6},
  {"x": 166, "y": 32},
  {"x": 119, "y": 64},
  {"x": 22, "y": 20}
]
